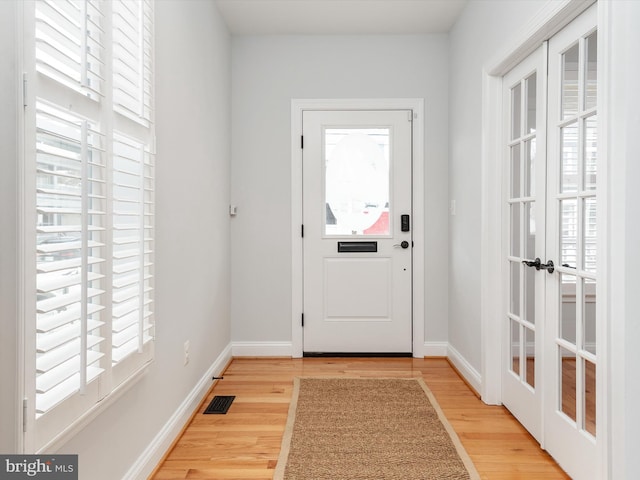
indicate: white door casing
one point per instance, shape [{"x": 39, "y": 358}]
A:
[{"x": 357, "y": 253}]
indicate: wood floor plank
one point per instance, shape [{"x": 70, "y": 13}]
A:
[{"x": 245, "y": 443}]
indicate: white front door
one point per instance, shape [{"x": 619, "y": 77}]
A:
[{"x": 357, "y": 238}]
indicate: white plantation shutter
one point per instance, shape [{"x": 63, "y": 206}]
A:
[
  {"x": 92, "y": 177},
  {"x": 132, "y": 40},
  {"x": 70, "y": 199},
  {"x": 132, "y": 215}
]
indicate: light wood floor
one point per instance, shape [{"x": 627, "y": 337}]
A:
[{"x": 245, "y": 443}]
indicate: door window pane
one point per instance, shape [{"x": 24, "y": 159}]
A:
[
  {"x": 530, "y": 230},
  {"x": 515, "y": 229},
  {"x": 591, "y": 72},
  {"x": 568, "y": 232},
  {"x": 530, "y": 295},
  {"x": 590, "y": 397},
  {"x": 515, "y": 347},
  {"x": 589, "y": 309},
  {"x": 567, "y": 365},
  {"x": 515, "y": 171},
  {"x": 530, "y": 167},
  {"x": 530, "y": 357},
  {"x": 590, "y": 152},
  {"x": 516, "y": 99},
  {"x": 569, "y": 158},
  {"x": 568, "y": 308},
  {"x": 530, "y": 85},
  {"x": 515, "y": 288},
  {"x": 590, "y": 230},
  {"x": 357, "y": 181},
  {"x": 570, "y": 82}
]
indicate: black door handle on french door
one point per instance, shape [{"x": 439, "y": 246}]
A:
[
  {"x": 549, "y": 267},
  {"x": 532, "y": 263},
  {"x": 403, "y": 244},
  {"x": 537, "y": 264}
]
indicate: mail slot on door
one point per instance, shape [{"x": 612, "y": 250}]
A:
[{"x": 351, "y": 247}]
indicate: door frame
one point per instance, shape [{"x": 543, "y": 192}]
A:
[
  {"x": 298, "y": 106},
  {"x": 552, "y": 17}
]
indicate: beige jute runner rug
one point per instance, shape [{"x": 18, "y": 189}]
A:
[{"x": 377, "y": 429}]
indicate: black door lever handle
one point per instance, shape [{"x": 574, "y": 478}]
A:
[
  {"x": 537, "y": 264},
  {"x": 532, "y": 263}
]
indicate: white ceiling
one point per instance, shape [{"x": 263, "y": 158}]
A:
[{"x": 329, "y": 17}]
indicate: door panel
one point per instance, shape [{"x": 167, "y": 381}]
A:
[
  {"x": 570, "y": 342},
  {"x": 524, "y": 200},
  {"x": 357, "y": 255}
]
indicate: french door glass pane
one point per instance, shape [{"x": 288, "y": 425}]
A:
[
  {"x": 591, "y": 72},
  {"x": 590, "y": 152},
  {"x": 589, "y": 309},
  {"x": 568, "y": 232},
  {"x": 590, "y": 397},
  {"x": 515, "y": 171},
  {"x": 515, "y": 288},
  {"x": 568, "y": 308},
  {"x": 530, "y": 356},
  {"x": 530, "y": 229},
  {"x": 590, "y": 235},
  {"x": 357, "y": 181},
  {"x": 516, "y": 99},
  {"x": 515, "y": 229},
  {"x": 569, "y": 158},
  {"x": 570, "y": 82},
  {"x": 568, "y": 382},
  {"x": 531, "y": 87},
  {"x": 530, "y": 295},
  {"x": 515, "y": 347},
  {"x": 530, "y": 167}
]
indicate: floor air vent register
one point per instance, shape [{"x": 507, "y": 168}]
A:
[{"x": 220, "y": 404}]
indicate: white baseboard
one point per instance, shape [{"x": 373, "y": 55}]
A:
[
  {"x": 470, "y": 374},
  {"x": 152, "y": 455},
  {"x": 262, "y": 349},
  {"x": 436, "y": 349}
]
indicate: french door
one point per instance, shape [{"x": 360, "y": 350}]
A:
[
  {"x": 525, "y": 160},
  {"x": 357, "y": 271},
  {"x": 551, "y": 139}
]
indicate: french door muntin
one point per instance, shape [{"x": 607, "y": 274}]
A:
[{"x": 524, "y": 187}]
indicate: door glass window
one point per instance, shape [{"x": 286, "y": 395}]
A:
[
  {"x": 357, "y": 181},
  {"x": 591, "y": 71},
  {"x": 570, "y": 82}
]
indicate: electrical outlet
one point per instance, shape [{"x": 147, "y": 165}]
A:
[{"x": 186, "y": 352}]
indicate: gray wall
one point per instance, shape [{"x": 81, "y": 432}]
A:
[
  {"x": 482, "y": 31},
  {"x": 267, "y": 73}
]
